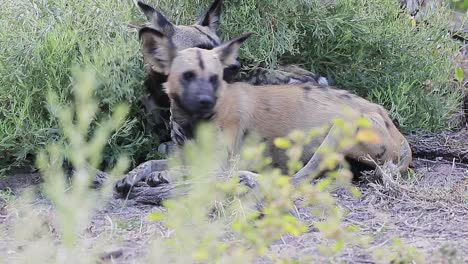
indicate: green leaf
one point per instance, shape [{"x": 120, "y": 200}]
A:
[
  {"x": 459, "y": 75},
  {"x": 321, "y": 185},
  {"x": 339, "y": 245},
  {"x": 282, "y": 143},
  {"x": 200, "y": 255},
  {"x": 155, "y": 216},
  {"x": 355, "y": 192},
  {"x": 364, "y": 122},
  {"x": 413, "y": 22}
]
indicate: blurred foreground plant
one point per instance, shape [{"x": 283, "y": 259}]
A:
[
  {"x": 219, "y": 221},
  {"x": 35, "y": 238}
]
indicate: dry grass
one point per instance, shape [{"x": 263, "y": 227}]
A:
[{"x": 428, "y": 211}]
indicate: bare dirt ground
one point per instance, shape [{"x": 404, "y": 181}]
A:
[{"x": 428, "y": 211}]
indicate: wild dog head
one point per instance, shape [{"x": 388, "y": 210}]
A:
[
  {"x": 195, "y": 75},
  {"x": 202, "y": 34}
]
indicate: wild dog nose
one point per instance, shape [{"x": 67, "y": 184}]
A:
[{"x": 205, "y": 102}]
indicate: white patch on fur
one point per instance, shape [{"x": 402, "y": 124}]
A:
[{"x": 322, "y": 81}]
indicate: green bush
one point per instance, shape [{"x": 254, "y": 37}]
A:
[
  {"x": 41, "y": 41},
  {"x": 368, "y": 46},
  {"x": 461, "y": 5}
]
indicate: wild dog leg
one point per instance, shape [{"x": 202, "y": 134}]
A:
[
  {"x": 140, "y": 173},
  {"x": 313, "y": 164},
  {"x": 162, "y": 187}
]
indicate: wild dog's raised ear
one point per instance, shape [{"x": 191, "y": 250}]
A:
[
  {"x": 227, "y": 52},
  {"x": 157, "y": 19},
  {"x": 158, "y": 49},
  {"x": 211, "y": 17}
]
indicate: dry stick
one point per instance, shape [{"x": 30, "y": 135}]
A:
[{"x": 446, "y": 145}]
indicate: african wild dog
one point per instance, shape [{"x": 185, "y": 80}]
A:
[
  {"x": 202, "y": 34},
  {"x": 196, "y": 88}
]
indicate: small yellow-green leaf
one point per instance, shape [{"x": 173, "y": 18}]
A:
[
  {"x": 282, "y": 181},
  {"x": 291, "y": 229},
  {"x": 200, "y": 255},
  {"x": 237, "y": 226},
  {"x": 396, "y": 241},
  {"x": 323, "y": 184},
  {"x": 155, "y": 216},
  {"x": 352, "y": 228},
  {"x": 459, "y": 75},
  {"x": 261, "y": 250},
  {"x": 339, "y": 245},
  {"x": 297, "y": 136},
  {"x": 413, "y": 22},
  {"x": 315, "y": 132},
  {"x": 355, "y": 192},
  {"x": 282, "y": 143},
  {"x": 340, "y": 123},
  {"x": 364, "y": 122}
]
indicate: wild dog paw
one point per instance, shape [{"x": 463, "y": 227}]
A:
[
  {"x": 157, "y": 178},
  {"x": 124, "y": 185},
  {"x": 248, "y": 179}
]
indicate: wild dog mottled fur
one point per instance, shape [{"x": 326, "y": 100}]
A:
[{"x": 196, "y": 88}]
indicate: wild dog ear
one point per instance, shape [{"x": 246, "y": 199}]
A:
[
  {"x": 157, "y": 20},
  {"x": 211, "y": 17},
  {"x": 227, "y": 52},
  {"x": 158, "y": 49}
]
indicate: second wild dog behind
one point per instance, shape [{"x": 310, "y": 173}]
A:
[
  {"x": 195, "y": 86},
  {"x": 201, "y": 34}
]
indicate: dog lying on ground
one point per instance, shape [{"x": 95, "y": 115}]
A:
[
  {"x": 196, "y": 88},
  {"x": 202, "y": 34}
]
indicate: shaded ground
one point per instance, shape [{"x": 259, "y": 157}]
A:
[{"x": 429, "y": 212}]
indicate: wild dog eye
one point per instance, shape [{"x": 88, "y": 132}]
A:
[
  {"x": 206, "y": 47},
  {"x": 188, "y": 76},
  {"x": 214, "y": 81}
]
